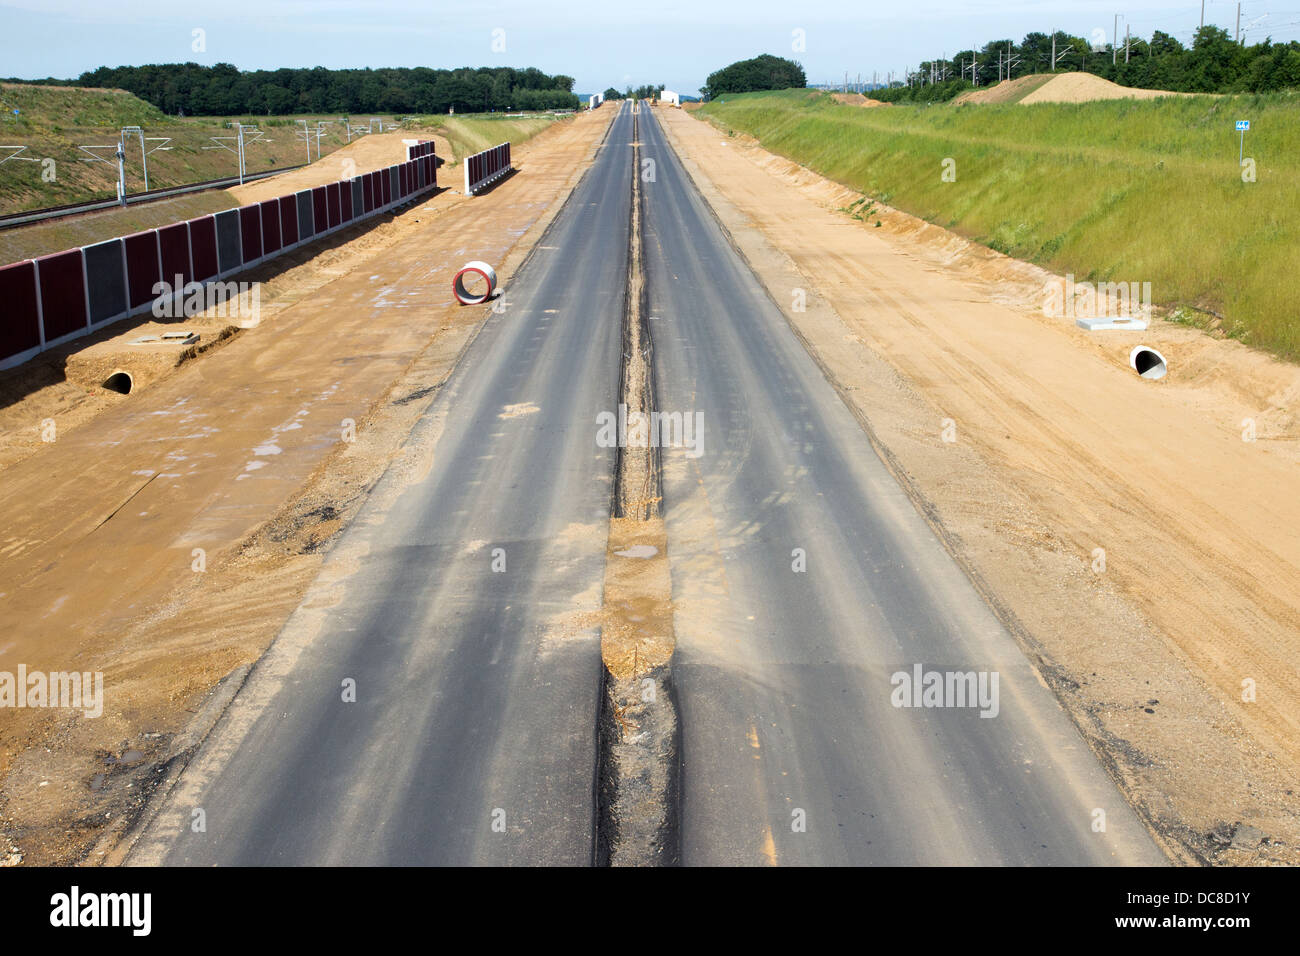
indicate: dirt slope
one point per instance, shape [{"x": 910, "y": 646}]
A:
[
  {"x": 1058, "y": 88},
  {"x": 1010, "y": 91},
  {"x": 1084, "y": 88},
  {"x": 856, "y": 99},
  {"x": 369, "y": 152}
]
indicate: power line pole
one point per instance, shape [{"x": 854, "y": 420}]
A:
[
  {"x": 1128, "y": 33},
  {"x": 1202, "y": 14},
  {"x": 1238, "y": 22}
]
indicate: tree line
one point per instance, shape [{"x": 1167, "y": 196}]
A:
[
  {"x": 1214, "y": 63},
  {"x": 647, "y": 92},
  {"x": 223, "y": 90}
]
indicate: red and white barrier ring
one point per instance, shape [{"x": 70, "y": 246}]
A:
[{"x": 482, "y": 270}]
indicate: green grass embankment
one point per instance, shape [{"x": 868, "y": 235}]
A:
[{"x": 1123, "y": 190}]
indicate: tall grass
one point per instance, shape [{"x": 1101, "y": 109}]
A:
[
  {"x": 475, "y": 133},
  {"x": 45, "y": 108},
  {"x": 1120, "y": 190}
]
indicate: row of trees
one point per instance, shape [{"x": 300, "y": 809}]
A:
[
  {"x": 223, "y": 90},
  {"x": 647, "y": 92},
  {"x": 765, "y": 72},
  {"x": 1215, "y": 63}
]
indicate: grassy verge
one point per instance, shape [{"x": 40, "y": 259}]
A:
[
  {"x": 476, "y": 132},
  {"x": 1122, "y": 190},
  {"x": 54, "y": 120}
]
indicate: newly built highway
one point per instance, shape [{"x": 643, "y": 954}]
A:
[{"x": 436, "y": 698}]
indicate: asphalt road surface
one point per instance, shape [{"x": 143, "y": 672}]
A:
[
  {"x": 472, "y": 739},
  {"x": 803, "y": 578},
  {"x": 793, "y": 751}
]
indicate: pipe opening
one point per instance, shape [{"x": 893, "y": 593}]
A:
[
  {"x": 1148, "y": 362},
  {"x": 119, "y": 382},
  {"x": 474, "y": 284}
]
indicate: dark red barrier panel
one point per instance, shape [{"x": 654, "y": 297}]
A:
[
  {"x": 402, "y": 189},
  {"x": 288, "y": 220},
  {"x": 20, "y": 329},
  {"x": 345, "y": 200},
  {"x": 386, "y": 178},
  {"x": 142, "y": 269},
  {"x": 174, "y": 243},
  {"x": 63, "y": 293},
  {"x": 320, "y": 209},
  {"x": 270, "y": 226},
  {"x": 332, "y": 197},
  {"x": 250, "y": 232},
  {"x": 368, "y": 192},
  {"x": 203, "y": 248}
]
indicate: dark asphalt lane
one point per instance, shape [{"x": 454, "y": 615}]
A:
[
  {"x": 472, "y": 739},
  {"x": 793, "y": 751},
  {"x": 803, "y": 581}
]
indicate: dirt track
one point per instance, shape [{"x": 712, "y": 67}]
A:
[
  {"x": 243, "y": 453},
  {"x": 1061, "y": 449}
]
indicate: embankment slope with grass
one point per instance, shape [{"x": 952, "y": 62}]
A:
[
  {"x": 1122, "y": 190},
  {"x": 54, "y": 121}
]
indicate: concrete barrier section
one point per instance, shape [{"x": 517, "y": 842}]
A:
[
  {"x": 55, "y": 297},
  {"x": 306, "y": 215},
  {"x": 106, "y": 280},
  {"x": 482, "y": 169},
  {"x": 230, "y": 253}
]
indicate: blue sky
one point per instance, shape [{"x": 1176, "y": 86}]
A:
[{"x": 599, "y": 42}]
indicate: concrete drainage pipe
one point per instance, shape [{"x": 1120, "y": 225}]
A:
[
  {"x": 1147, "y": 362},
  {"x": 120, "y": 382},
  {"x": 477, "y": 273}
]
